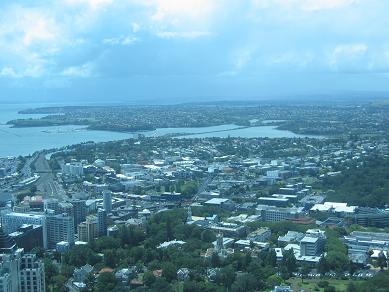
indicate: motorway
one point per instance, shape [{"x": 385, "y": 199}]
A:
[
  {"x": 26, "y": 170},
  {"x": 47, "y": 185}
]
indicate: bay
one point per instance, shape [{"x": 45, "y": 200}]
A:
[{"x": 25, "y": 141}]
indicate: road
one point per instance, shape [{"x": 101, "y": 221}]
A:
[
  {"x": 26, "y": 170},
  {"x": 203, "y": 186},
  {"x": 47, "y": 184}
]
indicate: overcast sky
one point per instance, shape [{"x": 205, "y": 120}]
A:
[{"x": 191, "y": 49}]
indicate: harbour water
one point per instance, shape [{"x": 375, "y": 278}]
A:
[{"x": 25, "y": 141}]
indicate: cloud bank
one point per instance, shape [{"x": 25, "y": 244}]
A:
[{"x": 174, "y": 48}]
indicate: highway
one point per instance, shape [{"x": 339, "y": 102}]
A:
[{"x": 46, "y": 183}]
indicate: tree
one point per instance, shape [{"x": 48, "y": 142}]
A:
[
  {"x": 39, "y": 251},
  {"x": 178, "y": 188},
  {"x": 90, "y": 282},
  {"x": 378, "y": 282},
  {"x": 226, "y": 276},
  {"x": 110, "y": 258},
  {"x": 337, "y": 261},
  {"x": 271, "y": 258},
  {"x": 322, "y": 266},
  {"x": 273, "y": 280},
  {"x": 148, "y": 279},
  {"x": 59, "y": 283},
  {"x": 106, "y": 282},
  {"x": 137, "y": 253},
  {"x": 80, "y": 255},
  {"x": 305, "y": 269},
  {"x": 189, "y": 188},
  {"x": 244, "y": 283},
  {"x": 106, "y": 242},
  {"x": 169, "y": 229},
  {"x": 381, "y": 260},
  {"x": 199, "y": 286},
  {"x": 215, "y": 260},
  {"x": 50, "y": 269},
  {"x": 131, "y": 235},
  {"x": 33, "y": 189},
  {"x": 20, "y": 196},
  {"x": 161, "y": 285},
  {"x": 364, "y": 185},
  {"x": 169, "y": 272},
  {"x": 330, "y": 289},
  {"x": 67, "y": 270},
  {"x": 208, "y": 235},
  {"x": 289, "y": 261}
]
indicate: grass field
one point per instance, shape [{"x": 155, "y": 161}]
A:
[{"x": 310, "y": 285}]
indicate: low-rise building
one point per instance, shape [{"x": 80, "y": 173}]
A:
[
  {"x": 261, "y": 234},
  {"x": 290, "y": 237},
  {"x": 220, "y": 203},
  {"x": 313, "y": 243},
  {"x": 274, "y": 201},
  {"x": 276, "y": 214}
]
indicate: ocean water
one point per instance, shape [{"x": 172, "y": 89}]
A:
[{"x": 25, "y": 141}]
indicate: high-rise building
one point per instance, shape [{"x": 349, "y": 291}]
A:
[
  {"x": 102, "y": 222},
  {"x": 22, "y": 208},
  {"x": 12, "y": 221},
  {"x": 107, "y": 201},
  {"x": 82, "y": 232},
  {"x": 65, "y": 207},
  {"x": 73, "y": 169},
  {"x": 19, "y": 272},
  {"x": 79, "y": 211},
  {"x": 60, "y": 227},
  {"x": 58, "y": 207},
  {"x": 32, "y": 274},
  {"x": 28, "y": 236},
  {"x": 7, "y": 244},
  {"x": 9, "y": 263},
  {"x": 88, "y": 230},
  {"x": 51, "y": 204}
]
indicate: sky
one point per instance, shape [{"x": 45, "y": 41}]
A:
[{"x": 189, "y": 50}]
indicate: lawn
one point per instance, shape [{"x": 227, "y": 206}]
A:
[{"x": 310, "y": 285}]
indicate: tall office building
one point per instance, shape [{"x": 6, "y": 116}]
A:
[
  {"x": 88, "y": 230},
  {"x": 73, "y": 169},
  {"x": 79, "y": 211},
  {"x": 60, "y": 227},
  {"x": 12, "y": 221},
  {"x": 65, "y": 208},
  {"x": 102, "y": 222},
  {"x": 19, "y": 271},
  {"x": 82, "y": 232},
  {"x": 51, "y": 204},
  {"x": 9, "y": 263},
  {"x": 32, "y": 274},
  {"x": 107, "y": 201},
  {"x": 28, "y": 236}
]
